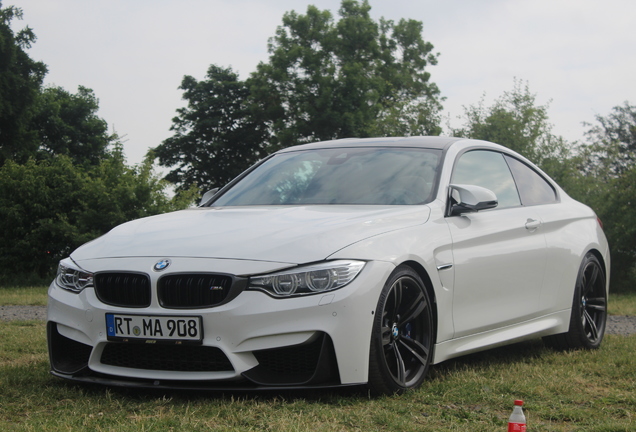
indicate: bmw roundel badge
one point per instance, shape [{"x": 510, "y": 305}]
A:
[{"x": 161, "y": 265}]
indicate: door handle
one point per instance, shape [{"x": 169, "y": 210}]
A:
[{"x": 532, "y": 224}]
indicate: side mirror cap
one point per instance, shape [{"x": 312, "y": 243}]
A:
[
  {"x": 208, "y": 196},
  {"x": 470, "y": 198}
]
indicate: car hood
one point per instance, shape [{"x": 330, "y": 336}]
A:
[{"x": 282, "y": 234}]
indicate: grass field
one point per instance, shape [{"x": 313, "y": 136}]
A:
[
  {"x": 563, "y": 391},
  {"x": 23, "y": 296},
  {"x": 571, "y": 391}
]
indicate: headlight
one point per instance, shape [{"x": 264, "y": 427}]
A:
[
  {"x": 72, "y": 279},
  {"x": 306, "y": 280}
]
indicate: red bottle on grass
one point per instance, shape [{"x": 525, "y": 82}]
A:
[{"x": 517, "y": 421}]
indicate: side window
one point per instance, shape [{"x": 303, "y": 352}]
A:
[
  {"x": 533, "y": 188},
  {"x": 487, "y": 169}
]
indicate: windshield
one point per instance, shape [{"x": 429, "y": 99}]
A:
[{"x": 375, "y": 176}]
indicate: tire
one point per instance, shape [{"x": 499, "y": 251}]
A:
[
  {"x": 403, "y": 335},
  {"x": 589, "y": 309}
]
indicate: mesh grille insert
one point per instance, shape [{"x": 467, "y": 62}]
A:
[
  {"x": 294, "y": 360},
  {"x": 123, "y": 289},
  {"x": 193, "y": 290},
  {"x": 179, "y": 358}
]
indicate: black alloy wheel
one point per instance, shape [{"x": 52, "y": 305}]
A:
[
  {"x": 589, "y": 309},
  {"x": 403, "y": 334}
]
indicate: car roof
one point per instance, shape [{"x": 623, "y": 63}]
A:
[{"x": 435, "y": 142}]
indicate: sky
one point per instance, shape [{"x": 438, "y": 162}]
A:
[{"x": 577, "y": 56}]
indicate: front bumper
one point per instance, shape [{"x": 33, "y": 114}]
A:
[{"x": 253, "y": 341}]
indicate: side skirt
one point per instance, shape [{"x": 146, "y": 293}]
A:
[{"x": 554, "y": 323}]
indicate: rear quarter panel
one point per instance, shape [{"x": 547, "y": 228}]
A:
[{"x": 571, "y": 231}]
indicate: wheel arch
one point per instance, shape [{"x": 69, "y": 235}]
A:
[
  {"x": 428, "y": 285},
  {"x": 604, "y": 264},
  {"x": 588, "y": 312}
]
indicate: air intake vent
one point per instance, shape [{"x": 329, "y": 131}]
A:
[
  {"x": 178, "y": 358},
  {"x": 67, "y": 356},
  {"x": 188, "y": 291},
  {"x": 294, "y": 360},
  {"x": 123, "y": 289}
]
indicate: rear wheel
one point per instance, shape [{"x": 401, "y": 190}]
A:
[
  {"x": 402, "y": 338},
  {"x": 589, "y": 309}
]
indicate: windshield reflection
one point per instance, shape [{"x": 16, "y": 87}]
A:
[{"x": 372, "y": 176}]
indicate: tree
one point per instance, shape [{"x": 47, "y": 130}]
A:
[
  {"x": 517, "y": 122},
  {"x": 324, "y": 80},
  {"x": 20, "y": 82},
  {"x": 617, "y": 209},
  {"x": 117, "y": 193},
  {"x": 67, "y": 124},
  {"x": 216, "y": 136},
  {"x": 40, "y": 204},
  {"x": 610, "y": 170},
  {"x": 613, "y": 140},
  {"x": 63, "y": 178},
  {"x": 354, "y": 77},
  {"x": 42, "y": 122},
  {"x": 50, "y": 207}
]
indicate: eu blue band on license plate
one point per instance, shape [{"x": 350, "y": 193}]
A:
[{"x": 154, "y": 328}]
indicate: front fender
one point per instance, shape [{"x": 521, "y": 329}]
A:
[{"x": 430, "y": 246}]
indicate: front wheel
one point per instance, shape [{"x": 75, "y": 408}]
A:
[
  {"x": 402, "y": 338},
  {"x": 589, "y": 309}
]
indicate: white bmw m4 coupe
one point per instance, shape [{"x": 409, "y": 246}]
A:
[{"x": 339, "y": 263}]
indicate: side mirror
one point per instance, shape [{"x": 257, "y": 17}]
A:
[
  {"x": 470, "y": 198},
  {"x": 208, "y": 196}
]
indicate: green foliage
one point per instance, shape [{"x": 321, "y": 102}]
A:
[
  {"x": 53, "y": 206},
  {"x": 118, "y": 193},
  {"x": 59, "y": 184},
  {"x": 40, "y": 204},
  {"x": 609, "y": 186},
  {"x": 20, "y": 82},
  {"x": 517, "y": 122},
  {"x": 215, "y": 136},
  {"x": 619, "y": 216},
  {"x": 325, "y": 79},
  {"x": 67, "y": 124},
  {"x": 41, "y": 123},
  {"x": 350, "y": 78},
  {"x": 613, "y": 141}
]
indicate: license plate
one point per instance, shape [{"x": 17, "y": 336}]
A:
[{"x": 150, "y": 328}]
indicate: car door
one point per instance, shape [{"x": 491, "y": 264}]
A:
[
  {"x": 499, "y": 255},
  {"x": 537, "y": 192}
]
